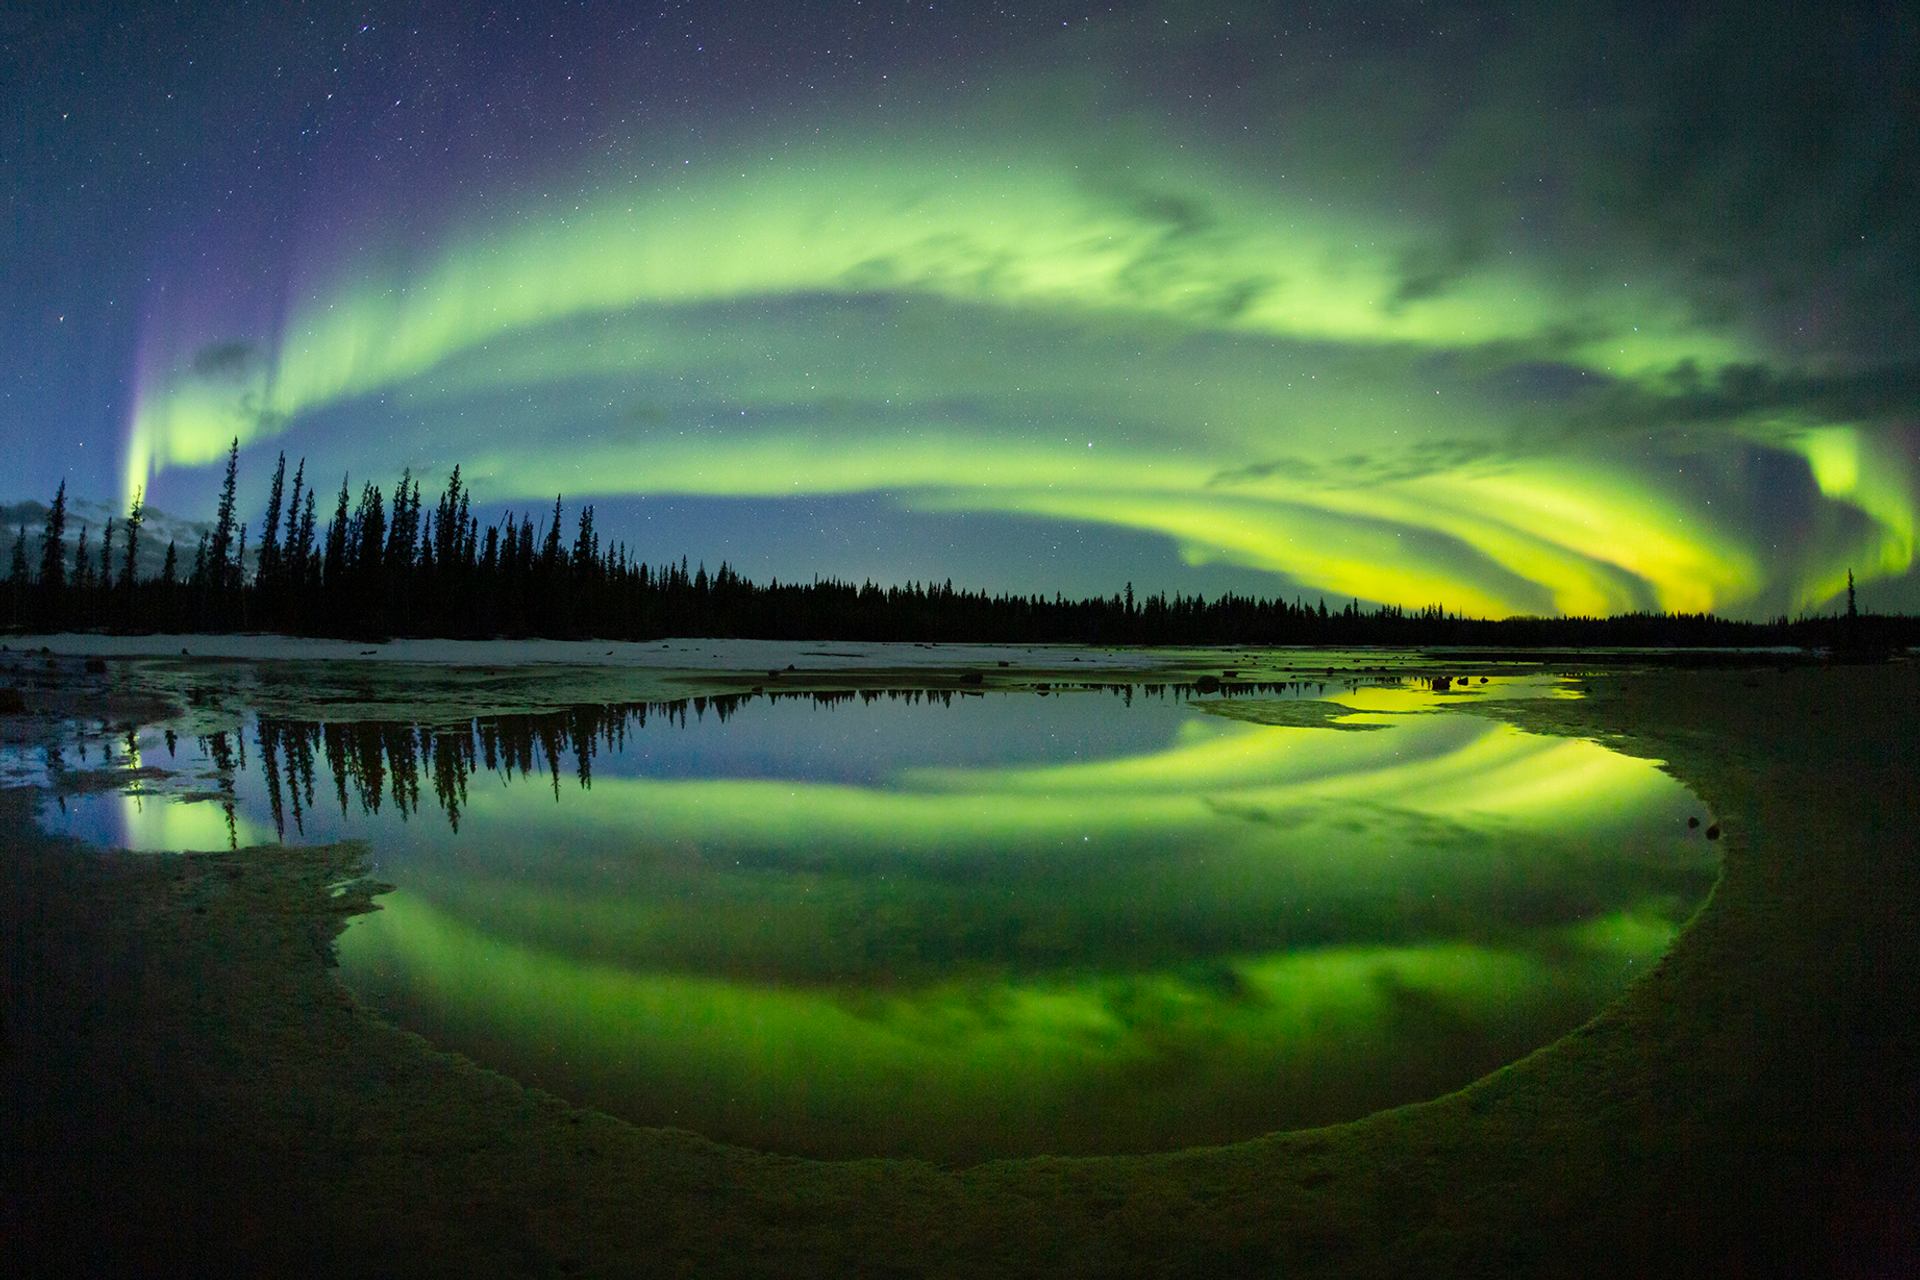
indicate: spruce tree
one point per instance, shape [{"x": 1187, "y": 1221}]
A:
[
  {"x": 136, "y": 516},
  {"x": 53, "y": 569},
  {"x": 302, "y": 557},
  {"x": 286, "y": 557},
  {"x": 167, "y": 606},
  {"x": 269, "y": 568},
  {"x": 550, "y": 550},
  {"x": 335, "y": 562},
  {"x": 82, "y": 563},
  {"x": 105, "y": 583},
  {"x": 220, "y": 545}
]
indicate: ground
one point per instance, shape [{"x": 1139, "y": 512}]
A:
[{"x": 187, "y": 1088}]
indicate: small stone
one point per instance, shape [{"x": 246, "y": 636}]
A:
[
  {"x": 1713, "y": 832},
  {"x": 1692, "y": 823}
]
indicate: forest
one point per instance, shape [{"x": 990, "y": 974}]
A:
[{"x": 388, "y": 566}]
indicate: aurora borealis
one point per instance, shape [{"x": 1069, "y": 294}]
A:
[{"x": 1586, "y": 311}]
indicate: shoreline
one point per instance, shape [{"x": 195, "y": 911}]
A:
[{"x": 1751, "y": 1095}]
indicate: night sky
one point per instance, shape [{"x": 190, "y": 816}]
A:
[{"x": 1515, "y": 308}]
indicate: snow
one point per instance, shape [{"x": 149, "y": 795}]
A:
[{"x": 672, "y": 654}]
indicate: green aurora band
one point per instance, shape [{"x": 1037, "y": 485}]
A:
[
  {"x": 1155, "y": 340},
  {"x": 1253, "y": 928}
]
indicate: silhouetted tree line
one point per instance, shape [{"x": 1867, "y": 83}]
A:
[{"x": 386, "y": 566}]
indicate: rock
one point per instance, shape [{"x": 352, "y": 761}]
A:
[
  {"x": 1442, "y": 683},
  {"x": 1483, "y": 679},
  {"x": 1207, "y": 684},
  {"x": 1713, "y": 832},
  {"x": 1693, "y": 823}
]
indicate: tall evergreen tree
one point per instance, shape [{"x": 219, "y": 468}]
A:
[
  {"x": 302, "y": 556},
  {"x": 267, "y": 573},
  {"x": 166, "y": 604},
  {"x": 286, "y": 556},
  {"x": 82, "y": 563},
  {"x": 136, "y": 516},
  {"x": 550, "y": 551},
  {"x": 586, "y": 543},
  {"x": 106, "y": 558},
  {"x": 53, "y": 569},
  {"x": 399, "y": 545},
  {"x": 220, "y": 544},
  {"x": 334, "y": 566},
  {"x": 370, "y": 519},
  {"x": 449, "y": 522}
]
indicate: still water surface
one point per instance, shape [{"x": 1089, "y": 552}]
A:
[{"x": 967, "y": 926}]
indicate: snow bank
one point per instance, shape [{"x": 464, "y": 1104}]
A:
[{"x": 676, "y": 654}]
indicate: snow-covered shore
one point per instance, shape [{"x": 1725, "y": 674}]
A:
[{"x": 674, "y": 654}]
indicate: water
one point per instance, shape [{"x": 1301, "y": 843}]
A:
[{"x": 960, "y": 926}]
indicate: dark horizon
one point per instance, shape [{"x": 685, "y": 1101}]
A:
[{"x": 379, "y": 569}]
